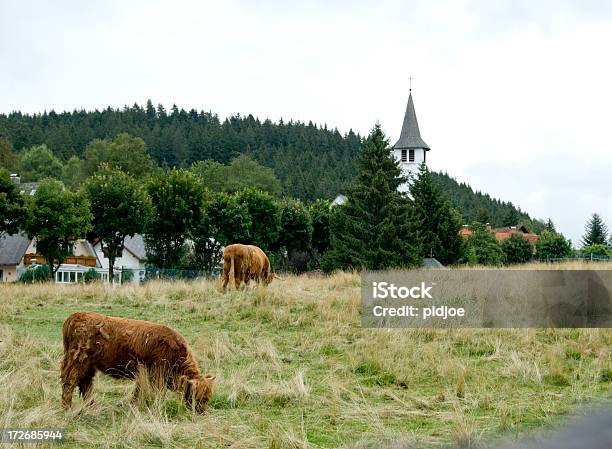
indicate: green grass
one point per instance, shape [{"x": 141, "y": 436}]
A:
[{"x": 295, "y": 369}]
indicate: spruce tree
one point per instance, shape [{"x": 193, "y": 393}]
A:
[
  {"x": 550, "y": 226},
  {"x": 511, "y": 217},
  {"x": 440, "y": 224},
  {"x": 377, "y": 228},
  {"x": 596, "y": 232}
]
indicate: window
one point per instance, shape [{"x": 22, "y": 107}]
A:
[
  {"x": 404, "y": 159},
  {"x": 411, "y": 156},
  {"x": 1, "y": 275}
]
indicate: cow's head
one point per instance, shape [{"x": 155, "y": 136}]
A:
[{"x": 198, "y": 392}]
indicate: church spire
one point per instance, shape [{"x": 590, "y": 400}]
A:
[{"x": 410, "y": 137}]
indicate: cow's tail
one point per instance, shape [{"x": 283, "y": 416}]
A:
[{"x": 67, "y": 332}]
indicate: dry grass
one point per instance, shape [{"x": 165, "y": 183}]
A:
[{"x": 295, "y": 370}]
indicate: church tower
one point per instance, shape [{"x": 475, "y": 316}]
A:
[{"x": 410, "y": 150}]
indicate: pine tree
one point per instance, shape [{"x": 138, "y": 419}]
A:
[
  {"x": 596, "y": 232},
  {"x": 440, "y": 225},
  {"x": 550, "y": 226},
  {"x": 512, "y": 217},
  {"x": 377, "y": 228}
]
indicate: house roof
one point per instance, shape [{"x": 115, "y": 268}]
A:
[
  {"x": 339, "y": 200},
  {"x": 432, "y": 262},
  {"x": 410, "y": 137},
  {"x": 503, "y": 233},
  {"x": 519, "y": 227},
  {"x": 136, "y": 246},
  {"x": 12, "y": 248}
]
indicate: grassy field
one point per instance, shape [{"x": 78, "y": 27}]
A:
[{"x": 295, "y": 369}]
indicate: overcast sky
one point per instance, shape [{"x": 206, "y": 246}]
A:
[{"x": 513, "y": 97}]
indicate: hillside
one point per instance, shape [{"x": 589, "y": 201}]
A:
[
  {"x": 310, "y": 161},
  {"x": 478, "y": 206}
]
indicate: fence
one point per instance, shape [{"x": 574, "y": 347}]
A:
[
  {"x": 170, "y": 273},
  {"x": 590, "y": 258}
]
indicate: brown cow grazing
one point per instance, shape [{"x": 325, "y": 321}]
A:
[
  {"x": 119, "y": 347},
  {"x": 246, "y": 263}
]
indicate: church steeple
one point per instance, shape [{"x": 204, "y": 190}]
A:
[
  {"x": 410, "y": 137},
  {"x": 410, "y": 149}
]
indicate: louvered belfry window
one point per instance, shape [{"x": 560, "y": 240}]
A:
[
  {"x": 404, "y": 158},
  {"x": 411, "y": 156}
]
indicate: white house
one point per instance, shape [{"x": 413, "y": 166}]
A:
[
  {"x": 18, "y": 253},
  {"x": 410, "y": 150},
  {"x": 12, "y": 249},
  {"x": 133, "y": 258}
]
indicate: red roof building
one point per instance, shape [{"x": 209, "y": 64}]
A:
[{"x": 503, "y": 233}]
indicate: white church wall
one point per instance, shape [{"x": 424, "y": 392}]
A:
[{"x": 409, "y": 169}]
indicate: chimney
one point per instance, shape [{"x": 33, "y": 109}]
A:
[{"x": 488, "y": 225}]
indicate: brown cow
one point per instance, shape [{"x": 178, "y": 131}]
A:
[
  {"x": 246, "y": 263},
  {"x": 119, "y": 347}
]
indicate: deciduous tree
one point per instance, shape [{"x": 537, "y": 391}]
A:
[
  {"x": 552, "y": 245},
  {"x": 265, "y": 217},
  {"x": 39, "y": 162},
  {"x": 57, "y": 217},
  {"x": 481, "y": 248},
  {"x": 243, "y": 172},
  {"x": 12, "y": 208},
  {"x": 177, "y": 206},
  {"x": 225, "y": 220},
  {"x": 295, "y": 237},
  {"x": 125, "y": 152},
  {"x": 517, "y": 249},
  {"x": 120, "y": 208}
]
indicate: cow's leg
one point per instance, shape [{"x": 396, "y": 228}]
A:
[
  {"x": 226, "y": 273},
  {"x": 237, "y": 278},
  {"x": 67, "y": 384},
  {"x": 85, "y": 385}
]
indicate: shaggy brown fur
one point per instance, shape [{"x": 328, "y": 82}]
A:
[
  {"x": 119, "y": 347},
  {"x": 246, "y": 263}
]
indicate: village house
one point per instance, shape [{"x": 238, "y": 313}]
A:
[
  {"x": 18, "y": 253},
  {"x": 12, "y": 249},
  {"x": 504, "y": 232},
  {"x": 133, "y": 257}
]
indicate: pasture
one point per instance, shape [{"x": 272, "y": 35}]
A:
[{"x": 295, "y": 370}]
